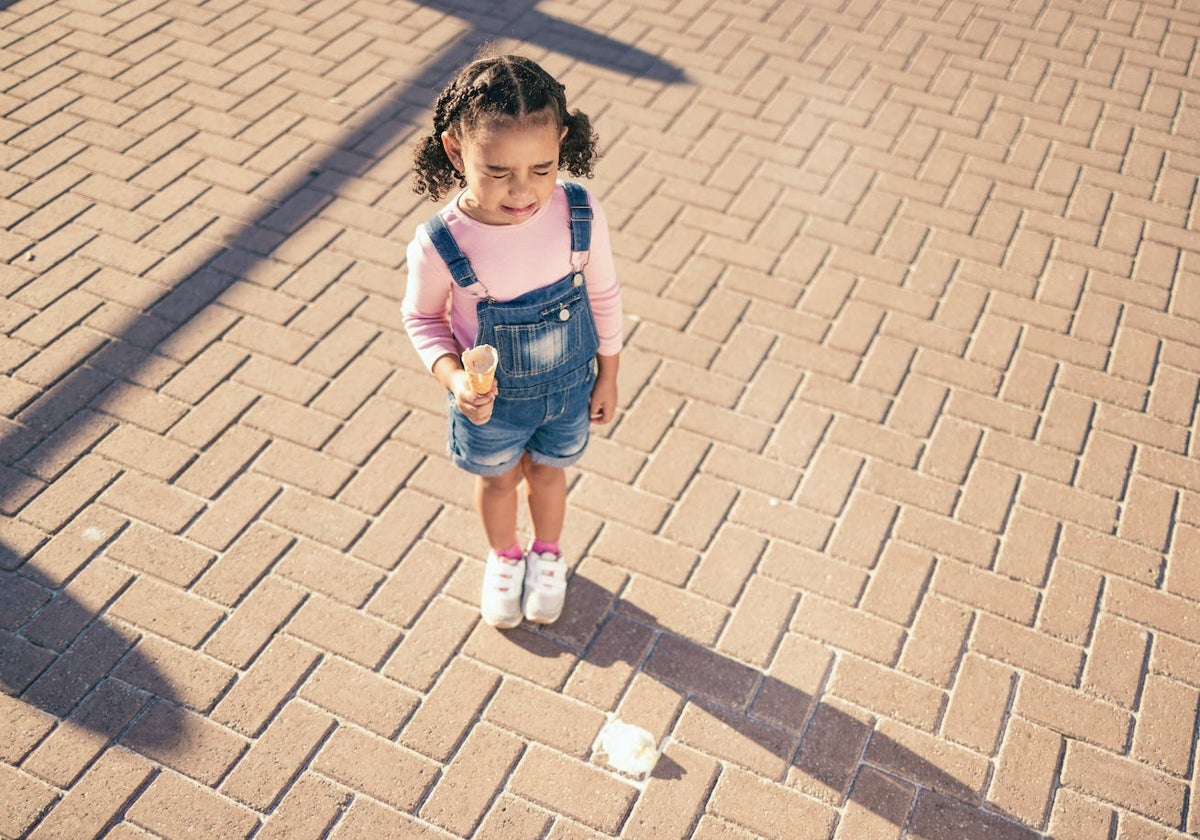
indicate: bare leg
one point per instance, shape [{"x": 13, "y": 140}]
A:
[
  {"x": 547, "y": 498},
  {"x": 496, "y": 501}
]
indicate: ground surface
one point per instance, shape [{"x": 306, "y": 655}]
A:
[{"x": 897, "y": 534}]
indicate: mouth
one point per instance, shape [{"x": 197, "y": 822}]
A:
[{"x": 519, "y": 211}]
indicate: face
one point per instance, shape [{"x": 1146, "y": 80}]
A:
[{"x": 511, "y": 167}]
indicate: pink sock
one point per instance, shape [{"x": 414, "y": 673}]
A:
[
  {"x": 513, "y": 552},
  {"x": 540, "y": 547}
]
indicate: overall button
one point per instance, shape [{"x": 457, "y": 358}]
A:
[
  {"x": 577, "y": 280},
  {"x": 564, "y": 314}
]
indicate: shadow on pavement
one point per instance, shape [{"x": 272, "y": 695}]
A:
[
  {"x": 818, "y": 745},
  {"x": 60, "y": 655}
]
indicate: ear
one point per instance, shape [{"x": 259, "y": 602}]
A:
[
  {"x": 562, "y": 135},
  {"x": 453, "y": 146}
]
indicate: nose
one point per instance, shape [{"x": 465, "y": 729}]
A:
[{"x": 520, "y": 186}]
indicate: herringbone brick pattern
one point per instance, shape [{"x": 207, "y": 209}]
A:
[{"x": 897, "y": 535}]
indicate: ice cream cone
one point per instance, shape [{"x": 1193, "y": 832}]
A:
[{"x": 480, "y": 364}]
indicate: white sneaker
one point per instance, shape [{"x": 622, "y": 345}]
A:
[
  {"x": 545, "y": 587},
  {"x": 500, "y": 603}
]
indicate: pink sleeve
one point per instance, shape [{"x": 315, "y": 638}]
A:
[
  {"x": 425, "y": 309},
  {"x": 604, "y": 291}
]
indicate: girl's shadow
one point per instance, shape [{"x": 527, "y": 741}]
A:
[{"x": 820, "y": 746}]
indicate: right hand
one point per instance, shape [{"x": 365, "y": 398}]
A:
[{"x": 475, "y": 407}]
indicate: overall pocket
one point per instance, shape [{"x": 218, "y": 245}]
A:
[{"x": 555, "y": 339}]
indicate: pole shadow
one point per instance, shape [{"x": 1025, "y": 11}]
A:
[{"x": 822, "y": 748}]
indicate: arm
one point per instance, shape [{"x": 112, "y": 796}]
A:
[{"x": 426, "y": 320}]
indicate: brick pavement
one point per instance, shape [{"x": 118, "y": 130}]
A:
[{"x": 898, "y": 533}]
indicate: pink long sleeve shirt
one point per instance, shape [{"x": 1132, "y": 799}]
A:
[{"x": 509, "y": 260}]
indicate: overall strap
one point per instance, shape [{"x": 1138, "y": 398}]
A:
[
  {"x": 581, "y": 218},
  {"x": 451, "y": 254}
]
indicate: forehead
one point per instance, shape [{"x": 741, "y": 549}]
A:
[
  {"x": 484, "y": 121},
  {"x": 509, "y": 136}
]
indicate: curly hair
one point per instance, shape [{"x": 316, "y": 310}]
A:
[{"x": 491, "y": 89}]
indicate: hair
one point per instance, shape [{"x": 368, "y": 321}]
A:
[{"x": 491, "y": 90}]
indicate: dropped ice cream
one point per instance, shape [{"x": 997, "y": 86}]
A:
[{"x": 630, "y": 749}]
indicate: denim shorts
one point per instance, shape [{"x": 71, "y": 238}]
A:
[{"x": 553, "y": 429}]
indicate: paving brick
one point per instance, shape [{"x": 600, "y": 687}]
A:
[
  {"x": 736, "y": 738},
  {"x": 189, "y": 678},
  {"x": 1123, "y": 782},
  {"x": 380, "y": 768},
  {"x": 758, "y": 621},
  {"x": 601, "y": 677},
  {"x": 69, "y": 493},
  {"x": 161, "y": 809},
  {"x": 309, "y": 809},
  {"x": 433, "y": 641},
  {"x": 464, "y": 793},
  {"x": 644, "y": 553},
  {"x": 940, "y": 533},
  {"x": 1027, "y": 772},
  {"x": 326, "y": 571},
  {"x": 726, "y": 564},
  {"x": 566, "y": 786},
  {"x": 939, "y": 816},
  {"x": 830, "y": 751},
  {"x": 844, "y": 628},
  {"x": 264, "y": 687},
  {"x": 222, "y": 461},
  {"x": 276, "y": 758},
  {"x": 104, "y": 791},
  {"x": 442, "y": 721},
  {"x": 1076, "y": 816},
  {"x": 393, "y": 533},
  {"x": 163, "y": 555},
  {"x": 877, "y": 804},
  {"x": 979, "y": 704},
  {"x": 403, "y": 596},
  {"x": 679, "y": 612},
  {"x": 661, "y": 809},
  {"x": 363, "y": 639},
  {"x": 785, "y": 520},
  {"x": 25, "y": 798},
  {"x": 68, "y": 750},
  {"x": 1165, "y": 730},
  {"x": 765, "y": 808},
  {"x": 933, "y": 649},
  {"x": 1118, "y": 679},
  {"x": 1024, "y": 648},
  {"x": 248, "y": 629}
]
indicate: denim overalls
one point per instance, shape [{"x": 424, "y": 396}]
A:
[{"x": 547, "y": 343}]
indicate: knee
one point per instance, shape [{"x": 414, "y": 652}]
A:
[
  {"x": 541, "y": 474},
  {"x": 499, "y": 485}
]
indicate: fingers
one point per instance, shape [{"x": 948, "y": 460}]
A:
[{"x": 478, "y": 407}]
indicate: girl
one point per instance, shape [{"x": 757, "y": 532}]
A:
[{"x": 503, "y": 263}]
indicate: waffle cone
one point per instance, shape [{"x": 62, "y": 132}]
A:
[{"x": 480, "y": 364}]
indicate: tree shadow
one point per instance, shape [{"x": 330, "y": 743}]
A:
[
  {"x": 825, "y": 751},
  {"x": 86, "y": 676}
]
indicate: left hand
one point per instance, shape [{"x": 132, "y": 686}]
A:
[{"x": 603, "y": 404}]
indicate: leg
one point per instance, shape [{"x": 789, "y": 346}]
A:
[
  {"x": 496, "y": 501},
  {"x": 547, "y": 498}
]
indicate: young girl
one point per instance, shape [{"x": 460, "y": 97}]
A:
[{"x": 519, "y": 260}]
